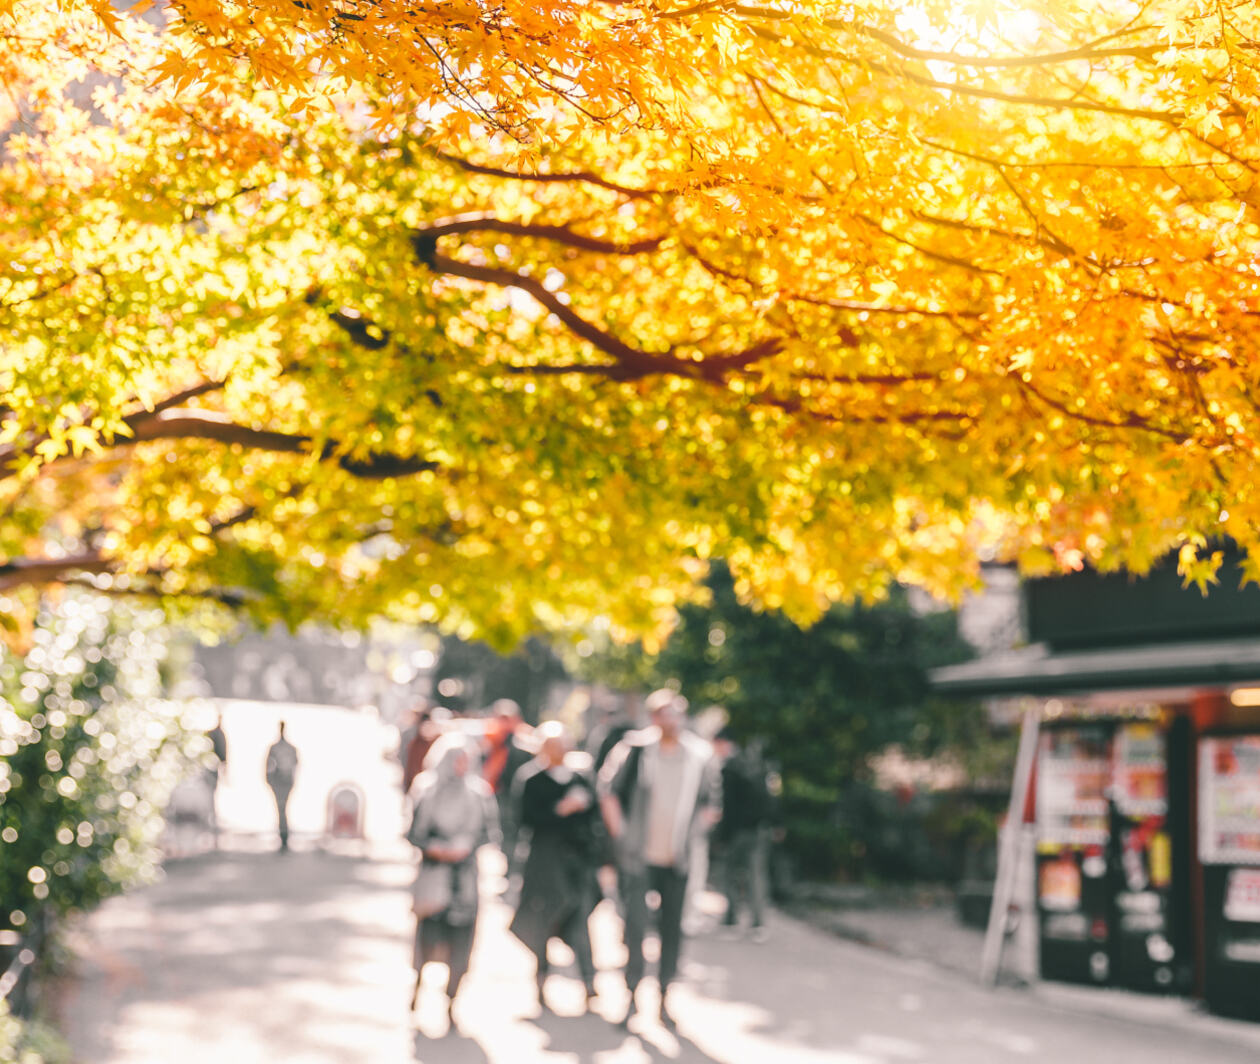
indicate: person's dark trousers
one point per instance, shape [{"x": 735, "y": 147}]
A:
[
  {"x": 671, "y": 886},
  {"x": 577, "y": 936},
  {"x": 461, "y": 939},
  {"x": 744, "y": 874},
  {"x": 282, "y": 814},
  {"x": 575, "y": 933}
]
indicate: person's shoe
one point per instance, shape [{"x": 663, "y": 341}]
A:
[{"x": 760, "y": 934}]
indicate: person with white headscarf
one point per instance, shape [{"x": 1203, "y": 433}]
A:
[{"x": 453, "y": 814}]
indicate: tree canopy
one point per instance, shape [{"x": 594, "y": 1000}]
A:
[{"x": 506, "y": 314}]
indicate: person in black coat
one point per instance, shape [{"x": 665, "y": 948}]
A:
[
  {"x": 559, "y": 887},
  {"x": 742, "y": 836}
]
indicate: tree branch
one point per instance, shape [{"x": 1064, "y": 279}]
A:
[
  {"x": 1130, "y": 421},
  {"x": 560, "y": 234},
  {"x": 184, "y": 425},
  {"x": 1093, "y": 50},
  {"x": 576, "y": 176},
  {"x": 630, "y": 363},
  {"x": 164, "y": 423},
  {"x": 854, "y": 305},
  {"x": 1174, "y": 119},
  {"x": 939, "y": 256},
  {"x": 22, "y": 572}
]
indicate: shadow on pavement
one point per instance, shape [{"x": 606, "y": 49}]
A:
[
  {"x": 590, "y": 1036},
  {"x": 250, "y": 939},
  {"x": 451, "y": 1048}
]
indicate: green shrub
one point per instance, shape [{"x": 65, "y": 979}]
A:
[
  {"x": 89, "y": 751},
  {"x": 29, "y": 1042}
]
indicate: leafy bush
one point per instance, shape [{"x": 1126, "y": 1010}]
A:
[
  {"x": 29, "y": 1042},
  {"x": 89, "y": 751}
]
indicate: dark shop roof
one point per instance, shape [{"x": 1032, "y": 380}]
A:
[{"x": 1038, "y": 670}]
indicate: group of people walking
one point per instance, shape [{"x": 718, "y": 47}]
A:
[{"x": 569, "y": 831}]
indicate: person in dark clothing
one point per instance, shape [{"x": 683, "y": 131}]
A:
[
  {"x": 218, "y": 740},
  {"x": 612, "y": 728},
  {"x": 510, "y": 747},
  {"x": 559, "y": 888},
  {"x": 218, "y": 745},
  {"x": 742, "y": 836},
  {"x": 281, "y": 768}
]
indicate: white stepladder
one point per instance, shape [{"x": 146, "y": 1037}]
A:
[{"x": 1009, "y": 847}]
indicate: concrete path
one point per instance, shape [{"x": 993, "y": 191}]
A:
[{"x": 248, "y": 957}]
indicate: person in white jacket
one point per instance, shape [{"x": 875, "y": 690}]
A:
[{"x": 660, "y": 793}]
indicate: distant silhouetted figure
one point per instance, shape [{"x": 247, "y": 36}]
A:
[
  {"x": 282, "y": 763},
  {"x": 218, "y": 743}
]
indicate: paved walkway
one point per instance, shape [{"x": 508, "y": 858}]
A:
[{"x": 245, "y": 957}]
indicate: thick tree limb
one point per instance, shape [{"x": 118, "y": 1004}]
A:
[
  {"x": 558, "y": 234},
  {"x": 164, "y": 423},
  {"x": 180, "y": 398},
  {"x": 630, "y": 363},
  {"x": 184, "y": 425},
  {"x": 22, "y": 572}
]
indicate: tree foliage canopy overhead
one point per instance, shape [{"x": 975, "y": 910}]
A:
[{"x": 505, "y": 313}]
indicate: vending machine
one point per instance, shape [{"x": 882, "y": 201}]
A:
[
  {"x": 1229, "y": 849},
  {"x": 1146, "y": 953},
  {"x": 1104, "y": 855},
  {"x": 1073, "y": 773}
]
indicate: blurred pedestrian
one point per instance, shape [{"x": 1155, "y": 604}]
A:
[
  {"x": 282, "y": 763},
  {"x": 416, "y": 740},
  {"x": 218, "y": 747},
  {"x": 659, "y": 791},
  {"x": 509, "y": 747},
  {"x": 614, "y": 723},
  {"x": 742, "y": 836},
  {"x": 452, "y": 816},
  {"x": 559, "y": 889}
]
